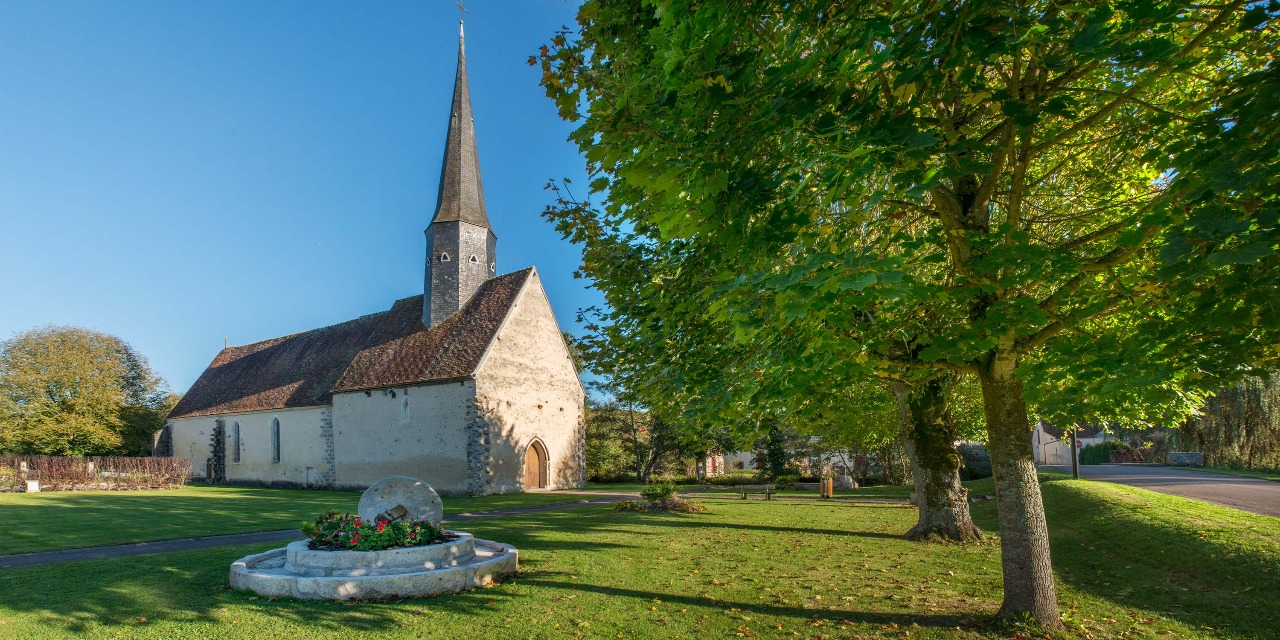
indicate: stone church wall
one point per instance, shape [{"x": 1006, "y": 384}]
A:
[
  {"x": 412, "y": 431},
  {"x": 527, "y": 389},
  {"x": 303, "y": 457}
]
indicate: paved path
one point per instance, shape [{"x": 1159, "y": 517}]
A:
[
  {"x": 190, "y": 544},
  {"x": 1248, "y": 494}
]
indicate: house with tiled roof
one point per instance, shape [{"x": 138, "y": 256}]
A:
[{"x": 469, "y": 386}]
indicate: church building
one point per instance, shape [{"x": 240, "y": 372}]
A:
[{"x": 469, "y": 386}]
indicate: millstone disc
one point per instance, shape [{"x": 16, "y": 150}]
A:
[{"x": 416, "y": 496}]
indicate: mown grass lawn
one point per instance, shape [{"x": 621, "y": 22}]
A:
[
  {"x": 877, "y": 492},
  {"x": 1247, "y": 473},
  {"x": 1131, "y": 563},
  {"x": 67, "y": 519}
]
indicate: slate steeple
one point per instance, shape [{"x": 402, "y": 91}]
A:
[
  {"x": 461, "y": 194},
  {"x": 460, "y": 243}
]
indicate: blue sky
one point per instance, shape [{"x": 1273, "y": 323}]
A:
[{"x": 177, "y": 172}]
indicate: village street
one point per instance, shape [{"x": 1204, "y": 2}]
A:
[{"x": 1248, "y": 494}]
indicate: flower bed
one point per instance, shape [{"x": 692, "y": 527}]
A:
[{"x": 335, "y": 531}]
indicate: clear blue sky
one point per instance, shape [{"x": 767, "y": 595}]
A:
[{"x": 177, "y": 172}]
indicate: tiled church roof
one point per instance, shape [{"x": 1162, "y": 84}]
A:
[{"x": 385, "y": 349}]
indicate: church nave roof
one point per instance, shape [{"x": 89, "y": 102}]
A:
[{"x": 386, "y": 349}]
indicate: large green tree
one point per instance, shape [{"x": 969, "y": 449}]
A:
[
  {"x": 1045, "y": 157},
  {"x": 73, "y": 391}
]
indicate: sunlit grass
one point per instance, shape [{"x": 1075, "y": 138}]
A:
[
  {"x": 62, "y": 520},
  {"x": 1131, "y": 563}
]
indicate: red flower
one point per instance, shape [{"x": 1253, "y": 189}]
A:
[{"x": 381, "y": 526}]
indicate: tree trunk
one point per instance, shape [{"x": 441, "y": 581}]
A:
[
  {"x": 635, "y": 443},
  {"x": 1024, "y": 535},
  {"x": 654, "y": 457},
  {"x": 935, "y": 465}
]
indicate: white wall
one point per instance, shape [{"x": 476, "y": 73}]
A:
[
  {"x": 301, "y": 445},
  {"x": 527, "y": 388},
  {"x": 374, "y": 438},
  {"x": 1050, "y": 450}
]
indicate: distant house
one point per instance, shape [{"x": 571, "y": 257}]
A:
[
  {"x": 469, "y": 387},
  {"x": 1053, "y": 445}
]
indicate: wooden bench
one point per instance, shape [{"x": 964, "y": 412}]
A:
[{"x": 767, "y": 489}]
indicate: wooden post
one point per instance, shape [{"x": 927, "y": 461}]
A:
[{"x": 1075, "y": 456}]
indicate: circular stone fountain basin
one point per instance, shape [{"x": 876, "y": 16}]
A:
[{"x": 448, "y": 567}]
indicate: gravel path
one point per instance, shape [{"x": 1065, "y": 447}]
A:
[{"x": 1247, "y": 494}]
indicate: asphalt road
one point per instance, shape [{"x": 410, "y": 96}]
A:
[{"x": 1248, "y": 494}]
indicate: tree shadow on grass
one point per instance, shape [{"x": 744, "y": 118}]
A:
[
  {"x": 1157, "y": 558},
  {"x": 693, "y": 524},
  {"x": 190, "y": 587},
  {"x": 867, "y": 617}
]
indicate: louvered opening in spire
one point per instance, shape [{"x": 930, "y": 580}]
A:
[{"x": 461, "y": 194}]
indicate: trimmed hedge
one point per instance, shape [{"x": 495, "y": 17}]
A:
[
  {"x": 1100, "y": 453},
  {"x": 64, "y": 473}
]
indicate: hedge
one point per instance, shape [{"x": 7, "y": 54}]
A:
[{"x": 62, "y": 473}]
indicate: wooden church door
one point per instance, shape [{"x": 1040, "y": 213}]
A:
[{"x": 535, "y": 466}]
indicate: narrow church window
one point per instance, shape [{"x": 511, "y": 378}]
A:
[
  {"x": 475, "y": 260},
  {"x": 235, "y": 442},
  {"x": 275, "y": 440},
  {"x": 404, "y": 411},
  {"x": 444, "y": 257},
  {"x": 493, "y": 266}
]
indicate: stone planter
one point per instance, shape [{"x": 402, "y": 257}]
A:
[{"x": 449, "y": 567}]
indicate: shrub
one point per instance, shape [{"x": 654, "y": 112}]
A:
[
  {"x": 71, "y": 473},
  {"x": 730, "y": 479},
  {"x": 335, "y": 531},
  {"x": 1100, "y": 453},
  {"x": 656, "y": 491},
  {"x": 672, "y": 504}
]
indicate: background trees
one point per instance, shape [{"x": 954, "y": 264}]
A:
[
  {"x": 73, "y": 391},
  {"x": 1239, "y": 426}
]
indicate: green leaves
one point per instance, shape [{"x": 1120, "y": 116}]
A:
[{"x": 797, "y": 196}]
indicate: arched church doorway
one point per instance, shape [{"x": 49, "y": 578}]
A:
[{"x": 535, "y": 466}]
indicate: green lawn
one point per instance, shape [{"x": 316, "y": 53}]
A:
[
  {"x": 1248, "y": 473},
  {"x": 878, "y": 491},
  {"x": 1131, "y": 563},
  {"x": 67, "y": 519}
]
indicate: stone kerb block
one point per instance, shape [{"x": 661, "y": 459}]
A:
[
  {"x": 308, "y": 562},
  {"x": 417, "y": 498},
  {"x": 1186, "y": 458}
]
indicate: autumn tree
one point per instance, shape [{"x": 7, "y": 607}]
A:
[
  {"x": 946, "y": 188},
  {"x": 73, "y": 391}
]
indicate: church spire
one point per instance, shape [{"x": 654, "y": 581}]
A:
[
  {"x": 461, "y": 194},
  {"x": 461, "y": 246}
]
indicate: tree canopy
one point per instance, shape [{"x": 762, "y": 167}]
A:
[
  {"x": 898, "y": 189},
  {"x": 74, "y": 391}
]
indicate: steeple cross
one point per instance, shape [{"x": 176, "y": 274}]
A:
[{"x": 461, "y": 9}]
